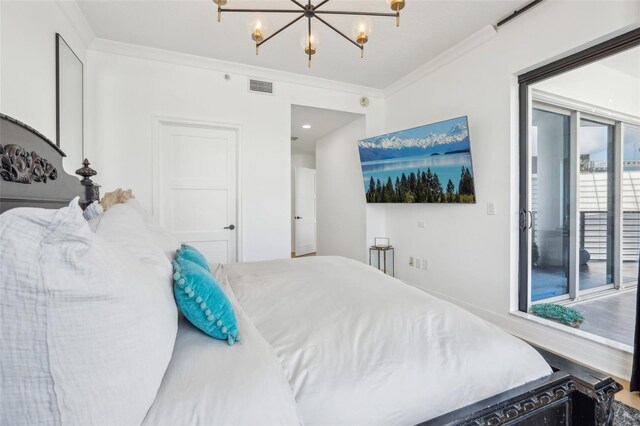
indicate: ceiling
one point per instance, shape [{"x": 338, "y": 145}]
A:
[
  {"x": 322, "y": 121},
  {"x": 627, "y": 62},
  {"x": 428, "y": 28}
]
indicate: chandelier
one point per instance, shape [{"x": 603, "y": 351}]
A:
[{"x": 361, "y": 27}]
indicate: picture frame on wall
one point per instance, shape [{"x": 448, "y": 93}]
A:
[{"x": 69, "y": 98}]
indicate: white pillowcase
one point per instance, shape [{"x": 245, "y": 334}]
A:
[
  {"x": 161, "y": 238},
  {"x": 86, "y": 329}
]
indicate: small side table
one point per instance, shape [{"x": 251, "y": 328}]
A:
[{"x": 382, "y": 258}]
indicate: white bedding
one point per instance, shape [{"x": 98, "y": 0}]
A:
[
  {"x": 359, "y": 347},
  {"x": 209, "y": 382}
]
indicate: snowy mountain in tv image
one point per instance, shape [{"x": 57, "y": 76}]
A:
[
  {"x": 434, "y": 139},
  {"x": 426, "y": 164}
]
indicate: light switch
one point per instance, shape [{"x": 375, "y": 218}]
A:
[
  {"x": 420, "y": 224},
  {"x": 417, "y": 263},
  {"x": 491, "y": 208}
]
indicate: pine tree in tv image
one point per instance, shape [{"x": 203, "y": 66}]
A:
[{"x": 426, "y": 164}]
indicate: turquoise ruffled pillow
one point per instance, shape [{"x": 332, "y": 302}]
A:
[
  {"x": 203, "y": 302},
  {"x": 192, "y": 254}
]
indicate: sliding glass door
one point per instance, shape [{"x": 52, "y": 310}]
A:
[
  {"x": 583, "y": 224},
  {"x": 550, "y": 177},
  {"x": 597, "y": 205}
]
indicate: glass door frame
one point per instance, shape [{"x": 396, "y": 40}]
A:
[
  {"x": 591, "y": 54},
  {"x": 555, "y": 109},
  {"x": 576, "y": 114}
]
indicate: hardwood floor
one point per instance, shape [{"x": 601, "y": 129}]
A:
[
  {"x": 626, "y": 397},
  {"x": 610, "y": 316}
]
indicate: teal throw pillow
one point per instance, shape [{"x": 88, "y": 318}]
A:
[
  {"x": 203, "y": 302},
  {"x": 188, "y": 252}
]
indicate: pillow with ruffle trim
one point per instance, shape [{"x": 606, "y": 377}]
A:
[{"x": 203, "y": 302}]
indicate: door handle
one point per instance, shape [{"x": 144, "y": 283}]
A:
[
  {"x": 298, "y": 217},
  {"x": 230, "y": 227}
]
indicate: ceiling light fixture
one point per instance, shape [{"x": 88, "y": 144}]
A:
[
  {"x": 361, "y": 27},
  {"x": 306, "y": 126}
]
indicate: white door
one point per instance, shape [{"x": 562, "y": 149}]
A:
[
  {"x": 305, "y": 210},
  {"x": 197, "y": 193}
]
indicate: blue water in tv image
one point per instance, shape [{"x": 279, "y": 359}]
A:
[{"x": 426, "y": 164}]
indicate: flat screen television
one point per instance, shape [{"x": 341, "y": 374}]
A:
[{"x": 426, "y": 164}]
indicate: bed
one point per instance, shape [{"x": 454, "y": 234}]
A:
[{"x": 326, "y": 340}]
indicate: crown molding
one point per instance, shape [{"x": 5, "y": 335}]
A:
[
  {"x": 184, "y": 59},
  {"x": 78, "y": 21},
  {"x": 468, "y": 44}
]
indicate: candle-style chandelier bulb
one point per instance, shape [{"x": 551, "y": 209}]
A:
[
  {"x": 310, "y": 44},
  {"x": 396, "y": 6},
  {"x": 361, "y": 29},
  {"x": 257, "y": 28},
  {"x": 220, "y": 3}
]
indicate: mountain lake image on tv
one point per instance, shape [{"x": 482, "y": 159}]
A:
[{"x": 426, "y": 164}]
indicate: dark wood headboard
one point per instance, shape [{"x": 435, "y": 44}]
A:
[{"x": 31, "y": 173}]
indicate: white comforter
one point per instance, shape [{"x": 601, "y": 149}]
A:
[{"x": 359, "y": 347}]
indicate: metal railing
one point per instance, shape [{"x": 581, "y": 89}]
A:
[{"x": 594, "y": 233}]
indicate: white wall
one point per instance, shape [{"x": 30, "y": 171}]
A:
[
  {"x": 298, "y": 160},
  {"x": 472, "y": 256},
  {"x": 341, "y": 211},
  {"x": 27, "y": 55},
  {"x": 128, "y": 86}
]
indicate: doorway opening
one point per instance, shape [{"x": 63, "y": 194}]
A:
[{"x": 309, "y": 127}]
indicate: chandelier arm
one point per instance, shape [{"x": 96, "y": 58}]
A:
[
  {"x": 320, "y": 4},
  {"x": 298, "y": 3},
  {"x": 280, "y": 30},
  {"x": 338, "y": 31},
  {"x": 309, "y": 38},
  {"x": 339, "y": 12},
  {"x": 262, "y": 10}
]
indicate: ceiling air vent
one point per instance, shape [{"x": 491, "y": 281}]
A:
[{"x": 260, "y": 86}]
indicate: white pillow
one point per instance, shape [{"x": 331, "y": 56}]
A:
[
  {"x": 85, "y": 334},
  {"x": 163, "y": 239},
  {"x": 125, "y": 229}
]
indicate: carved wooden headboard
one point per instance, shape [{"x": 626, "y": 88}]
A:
[{"x": 31, "y": 173}]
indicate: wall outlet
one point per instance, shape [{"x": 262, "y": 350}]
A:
[
  {"x": 425, "y": 265},
  {"x": 410, "y": 260},
  {"x": 417, "y": 263},
  {"x": 491, "y": 208},
  {"x": 420, "y": 224}
]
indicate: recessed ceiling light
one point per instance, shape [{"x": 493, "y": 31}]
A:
[{"x": 306, "y": 126}]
